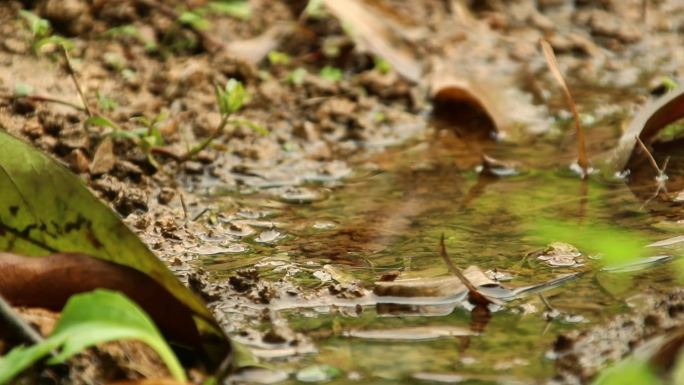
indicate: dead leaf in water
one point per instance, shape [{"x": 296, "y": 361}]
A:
[
  {"x": 432, "y": 287},
  {"x": 410, "y": 333}
]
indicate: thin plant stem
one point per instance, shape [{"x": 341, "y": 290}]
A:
[
  {"x": 72, "y": 74},
  {"x": 659, "y": 171},
  {"x": 453, "y": 268},
  {"x": 206, "y": 142},
  {"x": 10, "y": 320},
  {"x": 582, "y": 160}
]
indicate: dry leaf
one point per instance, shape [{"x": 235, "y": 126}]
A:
[
  {"x": 104, "y": 159},
  {"x": 372, "y": 32},
  {"x": 432, "y": 287}
]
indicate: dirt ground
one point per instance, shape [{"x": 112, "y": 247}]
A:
[{"x": 614, "y": 52}]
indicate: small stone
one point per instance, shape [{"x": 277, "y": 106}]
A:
[
  {"x": 193, "y": 167},
  {"x": 166, "y": 195}
]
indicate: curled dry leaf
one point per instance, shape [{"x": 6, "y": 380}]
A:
[
  {"x": 645, "y": 125},
  {"x": 373, "y": 32}
]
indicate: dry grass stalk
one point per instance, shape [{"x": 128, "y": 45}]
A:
[
  {"x": 474, "y": 295},
  {"x": 659, "y": 171},
  {"x": 72, "y": 74},
  {"x": 555, "y": 71}
]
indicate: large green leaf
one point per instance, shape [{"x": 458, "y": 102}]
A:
[
  {"x": 89, "y": 319},
  {"x": 44, "y": 208}
]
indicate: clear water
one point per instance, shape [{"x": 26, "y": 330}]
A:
[{"x": 388, "y": 216}]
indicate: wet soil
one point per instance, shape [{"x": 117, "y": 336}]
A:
[{"x": 353, "y": 183}]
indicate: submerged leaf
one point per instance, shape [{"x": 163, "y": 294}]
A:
[{"x": 47, "y": 209}]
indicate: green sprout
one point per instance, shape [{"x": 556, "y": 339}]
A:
[
  {"x": 381, "y": 65},
  {"x": 278, "y": 58},
  {"x": 315, "y": 9},
  {"x": 297, "y": 76},
  {"x": 239, "y": 9},
  {"x": 195, "y": 20},
  {"x": 230, "y": 100},
  {"x": 146, "y": 137},
  {"x": 132, "y": 32},
  {"x": 106, "y": 103},
  {"x": 331, "y": 73},
  {"x": 42, "y": 32},
  {"x": 669, "y": 83}
]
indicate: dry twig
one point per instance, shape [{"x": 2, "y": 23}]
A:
[
  {"x": 555, "y": 71},
  {"x": 72, "y": 74},
  {"x": 474, "y": 294},
  {"x": 660, "y": 171}
]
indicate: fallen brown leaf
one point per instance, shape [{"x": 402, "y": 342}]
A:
[
  {"x": 372, "y": 32},
  {"x": 103, "y": 160}
]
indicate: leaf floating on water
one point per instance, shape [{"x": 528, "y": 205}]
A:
[
  {"x": 47, "y": 209},
  {"x": 668, "y": 242},
  {"x": 410, "y": 333},
  {"x": 432, "y": 287},
  {"x": 641, "y": 264},
  {"x": 318, "y": 373}
]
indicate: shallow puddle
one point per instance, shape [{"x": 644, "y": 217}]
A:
[{"x": 386, "y": 219}]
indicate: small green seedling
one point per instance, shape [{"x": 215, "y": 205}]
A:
[
  {"x": 382, "y": 65},
  {"x": 42, "y": 32},
  {"x": 278, "y": 58},
  {"x": 130, "y": 31},
  {"x": 194, "y": 19},
  {"x": 89, "y": 319},
  {"x": 315, "y": 9},
  {"x": 230, "y": 100},
  {"x": 239, "y": 9},
  {"x": 105, "y": 103},
  {"x": 23, "y": 89},
  {"x": 669, "y": 83},
  {"x": 297, "y": 76},
  {"x": 331, "y": 73},
  {"x": 146, "y": 137}
]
